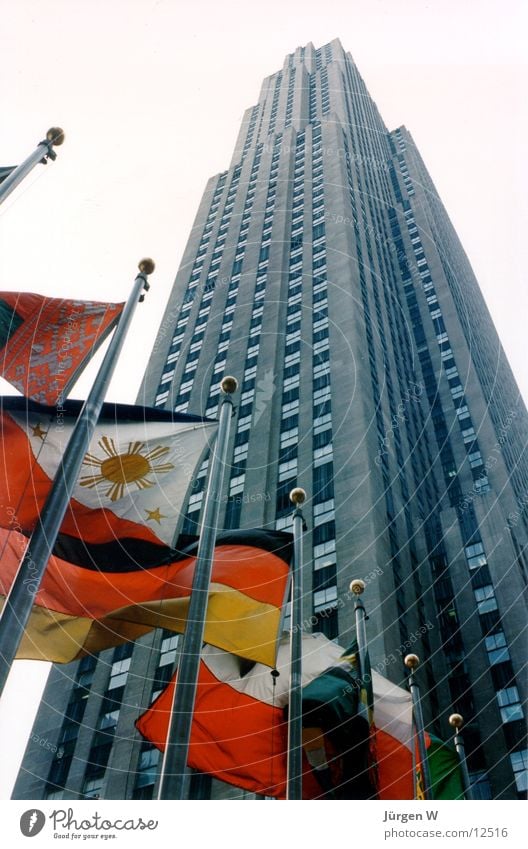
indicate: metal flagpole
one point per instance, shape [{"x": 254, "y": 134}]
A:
[
  {"x": 43, "y": 152},
  {"x": 19, "y": 602},
  {"x": 174, "y": 775},
  {"x": 294, "y": 789},
  {"x": 357, "y": 587},
  {"x": 411, "y": 662},
  {"x": 456, "y": 721}
]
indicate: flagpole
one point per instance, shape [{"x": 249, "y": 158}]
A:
[
  {"x": 174, "y": 776},
  {"x": 19, "y": 602},
  {"x": 294, "y": 789},
  {"x": 456, "y": 721},
  {"x": 357, "y": 587},
  {"x": 43, "y": 152},
  {"x": 411, "y": 662}
]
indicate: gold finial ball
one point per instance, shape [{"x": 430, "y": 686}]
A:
[
  {"x": 357, "y": 586},
  {"x": 229, "y": 385},
  {"x": 411, "y": 661},
  {"x": 55, "y": 135},
  {"x": 298, "y": 495},
  {"x": 147, "y": 265},
  {"x": 456, "y": 720}
]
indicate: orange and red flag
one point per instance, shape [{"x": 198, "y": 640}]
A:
[{"x": 45, "y": 342}]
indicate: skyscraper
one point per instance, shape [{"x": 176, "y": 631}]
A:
[{"x": 323, "y": 272}]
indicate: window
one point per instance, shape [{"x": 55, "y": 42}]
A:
[
  {"x": 326, "y": 622},
  {"x": 119, "y": 673},
  {"x": 480, "y": 785},
  {"x": 510, "y": 704},
  {"x": 287, "y": 470},
  {"x": 168, "y": 650},
  {"x": 497, "y": 648},
  {"x": 147, "y": 767},
  {"x": 475, "y": 555},
  {"x": 485, "y": 598},
  {"x": 519, "y": 764},
  {"x": 324, "y": 598}
]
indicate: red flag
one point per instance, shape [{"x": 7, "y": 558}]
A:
[
  {"x": 239, "y": 731},
  {"x": 45, "y": 342}
]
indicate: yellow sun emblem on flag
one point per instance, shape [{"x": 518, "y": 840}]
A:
[{"x": 119, "y": 470}]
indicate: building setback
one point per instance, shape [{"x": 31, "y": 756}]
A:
[{"x": 323, "y": 272}]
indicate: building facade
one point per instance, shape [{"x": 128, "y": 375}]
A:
[{"x": 323, "y": 272}]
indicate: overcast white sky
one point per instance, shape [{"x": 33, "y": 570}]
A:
[{"x": 150, "y": 94}]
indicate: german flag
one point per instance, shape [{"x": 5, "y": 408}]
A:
[
  {"x": 45, "y": 342},
  {"x": 93, "y": 597}
]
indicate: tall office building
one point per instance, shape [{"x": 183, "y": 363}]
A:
[{"x": 323, "y": 272}]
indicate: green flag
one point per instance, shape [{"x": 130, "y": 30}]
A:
[{"x": 444, "y": 768}]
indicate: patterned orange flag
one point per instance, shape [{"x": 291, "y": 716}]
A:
[{"x": 45, "y": 342}]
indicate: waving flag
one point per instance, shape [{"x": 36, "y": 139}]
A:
[
  {"x": 45, "y": 342},
  {"x": 94, "y": 597},
  {"x": 134, "y": 478},
  {"x": 239, "y": 732}
]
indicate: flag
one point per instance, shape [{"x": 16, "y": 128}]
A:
[
  {"x": 45, "y": 342},
  {"x": 239, "y": 733},
  {"x": 5, "y": 171},
  {"x": 444, "y": 770},
  {"x": 91, "y": 599},
  {"x": 337, "y": 720},
  {"x": 133, "y": 480}
]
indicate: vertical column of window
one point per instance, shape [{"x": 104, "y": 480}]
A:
[
  {"x": 275, "y": 103},
  {"x": 480, "y": 478},
  {"x": 103, "y": 739},
  {"x": 378, "y": 410},
  {"x": 191, "y": 363},
  {"x": 404, "y": 171},
  {"x": 325, "y": 92},
  {"x": 250, "y": 133},
  {"x": 191, "y": 520},
  {"x": 289, "y": 100},
  {"x": 196, "y": 271},
  {"x": 312, "y": 113},
  {"x": 413, "y": 416},
  {"x": 461, "y": 695},
  {"x": 392, "y": 331},
  {"x": 235, "y": 491},
  {"x": 289, "y": 427},
  {"x": 56, "y": 781},
  {"x": 501, "y": 668},
  {"x": 324, "y": 577},
  {"x": 431, "y": 387}
]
